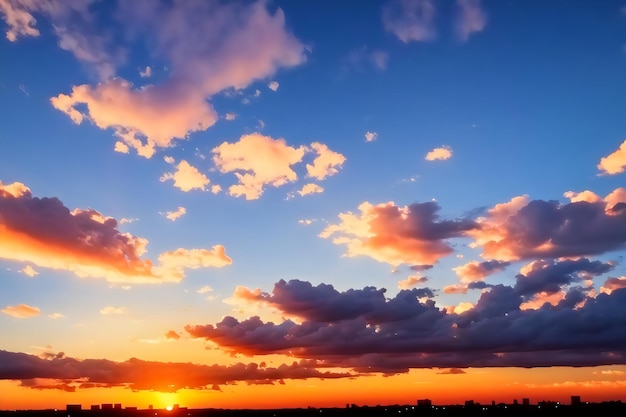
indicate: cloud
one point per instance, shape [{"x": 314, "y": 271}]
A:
[
  {"x": 273, "y": 85},
  {"x": 204, "y": 290},
  {"x": 136, "y": 374},
  {"x": 368, "y": 332},
  {"x": 172, "y": 335},
  {"x": 241, "y": 44},
  {"x": 173, "y": 215},
  {"x": 451, "y": 371},
  {"x": 524, "y": 229},
  {"x": 310, "y": 188},
  {"x": 475, "y": 271},
  {"x": 113, "y": 310},
  {"x": 56, "y": 316},
  {"x": 472, "y": 18},
  {"x": 612, "y": 284},
  {"x": 327, "y": 162},
  {"x": 216, "y": 188},
  {"x": 29, "y": 271},
  {"x": 361, "y": 58},
  {"x": 258, "y": 161},
  {"x": 614, "y": 163},
  {"x": 410, "y": 20},
  {"x": 411, "y": 282},
  {"x": 186, "y": 177},
  {"x": 388, "y": 233},
  {"x": 371, "y": 136},
  {"x": 146, "y": 73},
  {"x": 45, "y": 233},
  {"x": 21, "y": 311},
  {"x": 441, "y": 154},
  {"x": 305, "y": 221},
  {"x": 230, "y": 116}
]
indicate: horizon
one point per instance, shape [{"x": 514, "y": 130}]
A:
[{"x": 271, "y": 204}]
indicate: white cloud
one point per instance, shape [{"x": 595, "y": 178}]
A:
[
  {"x": 204, "y": 290},
  {"x": 146, "y": 73},
  {"x": 56, "y": 316},
  {"x": 230, "y": 116},
  {"x": 310, "y": 188},
  {"x": 273, "y": 85},
  {"x": 186, "y": 177},
  {"x": 472, "y": 18},
  {"x": 113, "y": 310},
  {"x": 410, "y": 20}
]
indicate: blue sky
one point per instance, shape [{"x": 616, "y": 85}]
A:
[{"x": 225, "y": 111}]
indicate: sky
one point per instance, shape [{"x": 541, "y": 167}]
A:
[{"x": 267, "y": 204}]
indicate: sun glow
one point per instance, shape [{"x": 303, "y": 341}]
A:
[{"x": 169, "y": 408}]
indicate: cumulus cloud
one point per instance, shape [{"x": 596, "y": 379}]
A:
[
  {"x": 174, "y": 215},
  {"x": 186, "y": 177},
  {"x": 410, "y": 20},
  {"x": 204, "y": 290},
  {"x": 524, "y": 229},
  {"x": 614, "y": 163},
  {"x": 326, "y": 162},
  {"x": 247, "y": 42},
  {"x": 310, "y": 188},
  {"x": 411, "y": 282},
  {"x": 393, "y": 234},
  {"x": 45, "y": 233},
  {"x": 21, "y": 311},
  {"x": 612, "y": 284},
  {"x": 136, "y": 374},
  {"x": 476, "y": 271},
  {"x": 364, "y": 330},
  {"x": 172, "y": 335},
  {"x": 472, "y": 18},
  {"x": 258, "y": 161},
  {"x": 273, "y": 85},
  {"x": 441, "y": 154},
  {"x": 371, "y": 136}
]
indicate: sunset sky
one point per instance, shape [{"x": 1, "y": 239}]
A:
[{"x": 264, "y": 204}]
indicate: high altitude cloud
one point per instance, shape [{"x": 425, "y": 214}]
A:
[
  {"x": 21, "y": 311},
  {"x": 364, "y": 330},
  {"x": 614, "y": 163},
  {"x": 396, "y": 235},
  {"x": 137, "y": 374},
  {"x": 524, "y": 229},
  {"x": 186, "y": 177},
  {"x": 44, "y": 232},
  {"x": 443, "y": 153},
  {"x": 472, "y": 18},
  {"x": 241, "y": 43},
  {"x": 410, "y": 20}
]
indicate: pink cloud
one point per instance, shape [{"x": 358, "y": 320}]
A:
[
  {"x": 240, "y": 44},
  {"x": 411, "y": 282},
  {"x": 472, "y": 18},
  {"x": 410, "y": 20},
  {"x": 477, "y": 271}
]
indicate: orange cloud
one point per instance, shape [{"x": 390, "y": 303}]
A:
[
  {"x": 29, "y": 271},
  {"x": 257, "y": 161},
  {"x": 614, "y": 163},
  {"x": 443, "y": 153},
  {"x": 113, "y": 310},
  {"x": 388, "y": 233},
  {"x": 45, "y": 233},
  {"x": 21, "y": 311},
  {"x": 612, "y": 284},
  {"x": 174, "y": 215},
  {"x": 411, "y": 282},
  {"x": 186, "y": 177},
  {"x": 477, "y": 271},
  {"x": 326, "y": 163}
]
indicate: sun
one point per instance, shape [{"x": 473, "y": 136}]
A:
[{"x": 169, "y": 408}]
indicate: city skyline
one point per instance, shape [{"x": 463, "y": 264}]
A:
[{"x": 272, "y": 203}]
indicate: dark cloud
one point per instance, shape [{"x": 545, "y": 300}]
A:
[
  {"x": 451, "y": 371},
  {"x": 550, "y": 276},
  {"x": 395, "y": 334},
  {"x": 136, "y": 374}
]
